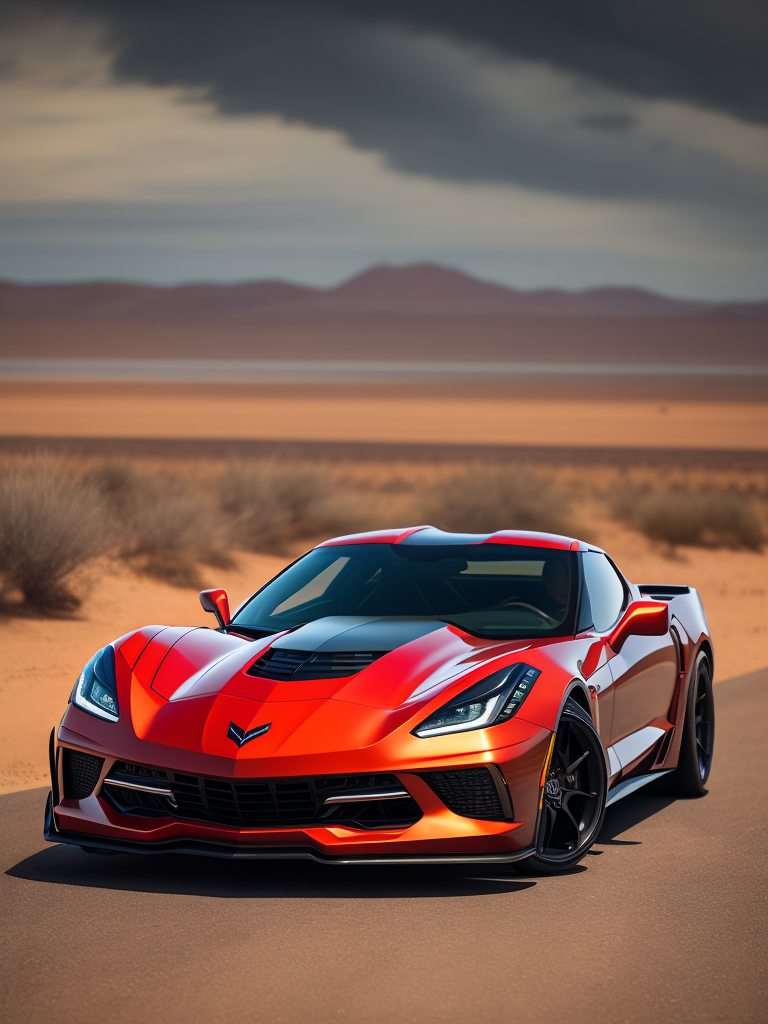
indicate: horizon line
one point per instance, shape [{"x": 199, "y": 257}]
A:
[{"x": 222, "y": 370}]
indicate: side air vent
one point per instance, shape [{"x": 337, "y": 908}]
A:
[
  {"x": 664, "y": 748},
  {"x": 281, "y": 664},
  {"x": 470, "y": 792},
  {"x": 81, "y": 773},
  {"x": 661, "y": 592}
]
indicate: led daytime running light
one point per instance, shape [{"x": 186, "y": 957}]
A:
[{"x": 493, "y": 700}]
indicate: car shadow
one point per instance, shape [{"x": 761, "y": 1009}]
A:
[
  {"x": 177, "y": 874},
  {"x": 629, "y": 812}
]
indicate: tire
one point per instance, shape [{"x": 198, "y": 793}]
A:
[
  {"x": 698, "y": 740},
  {"x": 573, "y": 804}
]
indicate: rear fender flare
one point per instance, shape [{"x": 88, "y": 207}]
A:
[{"x": 702, "y": 647}]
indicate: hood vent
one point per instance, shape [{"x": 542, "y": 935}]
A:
[{"x": 282, "y": 665}]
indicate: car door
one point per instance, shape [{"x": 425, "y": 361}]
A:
[{"x": 644, "y": 672}]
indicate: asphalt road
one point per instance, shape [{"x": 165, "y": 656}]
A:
[{"x": 665, "y": 921}]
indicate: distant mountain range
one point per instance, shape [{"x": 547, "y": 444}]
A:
[
  {"x": 422, "y": 312},
  {"x": 418, "y": 290}
]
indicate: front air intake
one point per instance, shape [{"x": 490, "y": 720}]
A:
[
  {"x": 352, "y": 801},
  {"x": 470, "y": 792},
  {"x": 81, "y": 773}
]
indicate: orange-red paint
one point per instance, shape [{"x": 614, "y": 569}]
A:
[{"x": 179, "y": 688}]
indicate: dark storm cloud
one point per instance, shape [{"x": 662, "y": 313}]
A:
[
  {"x": 370, "y": 69},
  {"x": 708, "y": 53}
]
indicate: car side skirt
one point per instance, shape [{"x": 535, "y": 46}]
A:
[{"x": 628, "y": 786}]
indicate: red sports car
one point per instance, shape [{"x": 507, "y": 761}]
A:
[{"x": 394, "y": 697}]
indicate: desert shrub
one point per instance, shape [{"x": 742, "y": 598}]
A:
[
  {"x": 484, "y": 500},
  {"x": 707, "y": 516},
  {"x": 167, "y": 524},
  {"x": 121, "y": 485},
  {"x": 51, "y": 522},
  {"x": 270, "y": 506},
  {"x": 163, "y": 524},
  {"x": 172, "y": 533}
]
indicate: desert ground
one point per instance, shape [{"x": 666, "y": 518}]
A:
[{"x": 391, "y": 414}]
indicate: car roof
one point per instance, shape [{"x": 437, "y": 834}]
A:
[{"x": 430, "y": 535}]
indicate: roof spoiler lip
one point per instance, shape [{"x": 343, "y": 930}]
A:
[
  {"x": 394, "y": 536},
  {"x": 525, "y": 538}
]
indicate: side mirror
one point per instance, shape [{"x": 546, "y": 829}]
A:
[
  {"x": 217, "y": 602},
  {"x": 642, "y": 618}
]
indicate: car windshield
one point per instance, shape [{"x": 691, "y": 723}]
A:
[{"x": 497, "y": 591}]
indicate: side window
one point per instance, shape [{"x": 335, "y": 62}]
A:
[{"x": 605, "y": 588}]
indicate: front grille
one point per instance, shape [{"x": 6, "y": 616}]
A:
[
  {"x": 470, "y": 792},
  {"x": 281, "y": 664},
  {"x": 262, "y": 803},
  {"x": 80, "y": 772}
]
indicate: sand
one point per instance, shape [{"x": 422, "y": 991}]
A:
[
  {"x": 41, "y": 657},
  {"x": 175, "y": 413}
]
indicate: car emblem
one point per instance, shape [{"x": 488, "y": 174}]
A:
[{"x": 241, "y": 737}]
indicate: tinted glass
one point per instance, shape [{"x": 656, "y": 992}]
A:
[
  {"x": 493, "y": 590},
  {"x": 605, "y": 588}
]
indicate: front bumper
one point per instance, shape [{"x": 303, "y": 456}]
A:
[
  {"x": 238, "y": 851},
  {"x": 439, "y": 836}
]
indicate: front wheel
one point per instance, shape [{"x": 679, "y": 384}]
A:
[{"x": 573, "y": 802}]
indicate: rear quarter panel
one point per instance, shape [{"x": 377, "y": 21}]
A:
[{"x": 688, "y": 622}]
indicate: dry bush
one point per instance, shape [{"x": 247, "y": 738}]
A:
[
  {"x": 484, "y": 500},
  {"x": 167, "y": 524},
  {"x": 163, "y": 525},
  {"x": 269, "y": 506},
  {"x": 51, "y": 522},
  {"x": 707, "y": 516},
  {"x": 171, "y": 534},
  {"x": 120, "y": 484}
]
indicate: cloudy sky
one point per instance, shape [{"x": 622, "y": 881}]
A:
[{"x": 547, "y": 143}]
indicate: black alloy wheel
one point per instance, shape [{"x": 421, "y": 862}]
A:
[
  {"x": 574, "y": 796},
  {"x": 704, "y": 724},
  {"x": 698, "y": 740}
]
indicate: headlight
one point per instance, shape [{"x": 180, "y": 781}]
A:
[
  {"x": 96, "y": 689},
  {"x": 493, "y": 700}
]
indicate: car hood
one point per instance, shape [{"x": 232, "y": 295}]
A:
[{"x": 188, "y": 685}]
